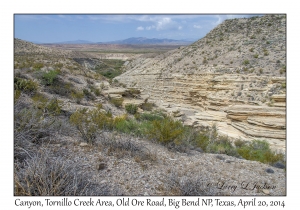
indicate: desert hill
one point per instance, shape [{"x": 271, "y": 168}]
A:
[{"x": 234, "y": 77}]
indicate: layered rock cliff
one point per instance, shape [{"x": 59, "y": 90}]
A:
[{"x": 234, "y": 78}]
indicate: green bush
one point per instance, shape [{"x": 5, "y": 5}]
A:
[
  {"x": 54, "y": 107},
  {"x": 246, "y": 62},
  {"x": 97, "y": 92},
  {"x": 201, "y": 140},
  {"x": 25, "y": 85},
  {"x": 61, "y": 88},
  {"x": 17, "y": 94},
  {"x": 221, "y": 145},
  {"x": 50, "y": 77},
  {"x": 259, "y": 151},
  {"x": 84, "y": 124},
  {"x": 117, "y": 101},
  {"x": 166, "y": 131},
  {"x": 150, "y": 116},
  {"x": 127, "y": 126},
  {"x": 38, "y": 65},
  {"x": 131, "y": 108}
]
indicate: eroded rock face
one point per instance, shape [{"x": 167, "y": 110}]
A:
[{"x": 233, "y": 78}]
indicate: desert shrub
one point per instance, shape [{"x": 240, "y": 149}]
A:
[
  {"x": 99, "y": 106},
  {"x": 166, "y": 131},
  {"x": 255, "y": 56},
  {"x": 103, "y": 121},
  {"x": 123, "y": 146},
  {"x": 97, "y": 91},
  {"x": 266, "y": 52},
  {"x": 61, "y": 88},
  {"x": 17, "y": 94},
  {"x": 24, "y": 85},
  {"x": 31, "y": 126},
  {"x": 246, "y": 62},
  {"x": 88, "y": 95},
  {"x": 43, "y": 175},
  {"x": 127, "y": 126},
  {"x": 77, "y": 96},
  {"x": 38, "y": 65},
  {"x": 131, "y": 108},
  {"x": 201, "y": 139},
  {"x": 221, "y": 145},
  {"x": 51, "y": 107},
  {"x": 259, "y": 151},
  {"x": 48, "y": 78},
  {"x": 54, "y": 106},
  {"x": 239, "y": 143},
  {"x": 116, "y": 101},
  {"x": 58, "y": 65},
  {"x": 151, "y": 116},
  {"x": 90, "y": 123},
  {"x": 147, "y": 106},
  {"x": 81, "y": 119}
]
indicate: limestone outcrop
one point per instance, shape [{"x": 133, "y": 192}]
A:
[{"x": 233, "y": 78}]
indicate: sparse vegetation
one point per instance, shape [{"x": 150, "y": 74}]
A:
[
  {"x": 25, "y": 85},
  {"x": 131, "y": 108},
  {"x": 109, "y": 68},
  {"x": 246, "y": 62},
  {"x": 50, "y": 77},
  {"x": 147, "y": 106},
  {"x": 116, "y": 101}
]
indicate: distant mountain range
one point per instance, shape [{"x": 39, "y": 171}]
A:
[
  {"x": 144, "y": 40},
  {"x": 132, "y": 40}
]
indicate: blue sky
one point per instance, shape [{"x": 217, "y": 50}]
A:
[{"x": 102, "y": 28}]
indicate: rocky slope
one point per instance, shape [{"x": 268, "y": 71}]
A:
[
  {"x": 234, "y": 77},
  {"x": 121, "y": 164}
]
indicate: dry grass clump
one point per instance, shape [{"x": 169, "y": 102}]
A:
[
  {"x": 122, "y": 146},
  {"x": 44, "y": 175},
  {"x": 188, "y": 186}
]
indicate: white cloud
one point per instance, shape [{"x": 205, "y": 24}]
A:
[
  {"x": 163, "y": 23},
  {"x": 197, "y": 26},
  {"x": 150, "y": 27},
  {"x": 179, "y": 27},
  {"x": 140, "y": 28},
  {"x": 220, "y": 19}
]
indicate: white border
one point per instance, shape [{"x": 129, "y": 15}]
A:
[{"x": 8, "y": 8}]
